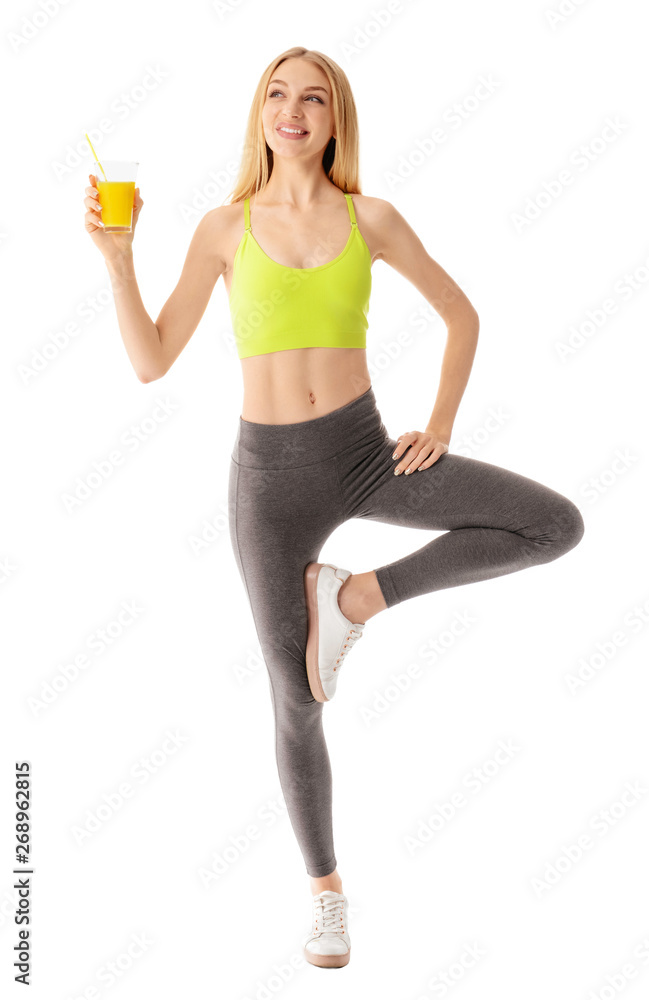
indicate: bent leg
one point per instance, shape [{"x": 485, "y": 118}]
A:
[{"x": 496, "y": 522}]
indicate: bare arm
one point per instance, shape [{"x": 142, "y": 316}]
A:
[
  {"x": 153, "y": 347},
  {"x": 404, "y": 251}
]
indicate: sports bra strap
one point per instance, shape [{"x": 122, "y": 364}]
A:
[
  {"x": 246, "y": 213},
  {"x": 352, "y": 214}
]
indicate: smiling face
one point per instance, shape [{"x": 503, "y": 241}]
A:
[{"x": 299, "y": 97}]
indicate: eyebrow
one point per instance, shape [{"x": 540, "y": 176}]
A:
[{"x": 285, "y": 84}]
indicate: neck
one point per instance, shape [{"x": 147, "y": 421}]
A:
[{"x": 296, "y": 185}]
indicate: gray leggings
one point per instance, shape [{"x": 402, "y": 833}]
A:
[{"x": 290, "y": 486}]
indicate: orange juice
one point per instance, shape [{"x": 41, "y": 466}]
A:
[{"x": 116, "y": 199}]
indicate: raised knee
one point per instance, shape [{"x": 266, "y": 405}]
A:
[
  {"x": 572, "y": 525},
  {"x": 565, "y": 529}
]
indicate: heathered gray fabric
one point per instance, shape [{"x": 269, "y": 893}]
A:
[{"x": 290, "y": 486}]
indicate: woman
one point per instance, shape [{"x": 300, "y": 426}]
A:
[{"x": 311, "y": 449}]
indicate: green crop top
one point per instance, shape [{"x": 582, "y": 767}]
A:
[{"x": 278, "y": 308}]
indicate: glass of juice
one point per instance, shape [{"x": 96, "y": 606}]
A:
[{"x": 117, "y": 194}]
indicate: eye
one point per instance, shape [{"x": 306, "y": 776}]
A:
[{"x": 273, "y": 92}]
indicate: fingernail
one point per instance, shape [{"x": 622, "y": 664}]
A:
[
  {"x": 395, "y": 455},
  {"x": 397, "y": 471}
]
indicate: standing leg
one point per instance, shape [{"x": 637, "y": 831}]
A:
[{"x": 279, "y": 520}]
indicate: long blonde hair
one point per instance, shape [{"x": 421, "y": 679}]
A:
[{"x": 340, "y": 157}]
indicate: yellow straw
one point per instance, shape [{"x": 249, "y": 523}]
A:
[{"x": 95, "y": 155}]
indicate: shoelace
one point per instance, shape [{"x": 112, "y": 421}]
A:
[
  {"x": 329, "y": 911},
  {"x": 352, "y": 635}
]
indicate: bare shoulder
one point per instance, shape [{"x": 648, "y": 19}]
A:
[
  {"x": 396, "y": 242},
  {"x": 375, "y": 217},
  {"x": 222, "y": 229}
]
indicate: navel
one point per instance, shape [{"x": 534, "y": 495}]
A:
[{"x": 312, "y": 397}]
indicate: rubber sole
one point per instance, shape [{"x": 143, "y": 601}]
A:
[
  {"x": 327, "y": 961},
  {"x": 311, "y": 592}
]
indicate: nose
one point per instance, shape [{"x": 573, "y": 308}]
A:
[{"x": 292, "y": 112}]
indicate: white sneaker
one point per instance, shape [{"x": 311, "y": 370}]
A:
[
  {"x": 328, "y": 945},
  {"x": 330, "y": 634}
]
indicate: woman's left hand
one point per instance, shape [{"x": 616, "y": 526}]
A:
[{"x": 418, "y": 450}]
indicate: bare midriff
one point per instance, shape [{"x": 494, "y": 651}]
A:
[{"x": 286, "y": 387}]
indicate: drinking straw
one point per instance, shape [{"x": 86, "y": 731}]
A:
[{"x": 95, "y": 155}]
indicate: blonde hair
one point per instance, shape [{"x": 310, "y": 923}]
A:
[{"x": 340, "y": 157}]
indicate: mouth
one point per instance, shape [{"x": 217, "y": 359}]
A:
[{"x": 292, "y": 132}]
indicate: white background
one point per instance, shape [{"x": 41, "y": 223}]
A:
[{"x": 190, "y": 663}]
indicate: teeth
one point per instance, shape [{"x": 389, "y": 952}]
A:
[{"x": 294, "y": 131}]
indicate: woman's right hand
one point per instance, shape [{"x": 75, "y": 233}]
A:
[{"x": 111, "y": 245}]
